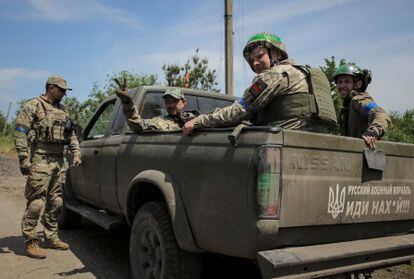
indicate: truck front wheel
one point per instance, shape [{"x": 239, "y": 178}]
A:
[{"x": 153, "y": 249}]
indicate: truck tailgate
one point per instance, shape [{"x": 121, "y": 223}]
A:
[{"x": 325, "y": 181}]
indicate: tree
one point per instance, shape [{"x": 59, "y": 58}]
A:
[
  {"x": 194, "y": 74},
  {"x": 402, "y": 127}
]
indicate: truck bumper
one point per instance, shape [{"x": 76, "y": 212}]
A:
[{"x": 328, "y": 259}]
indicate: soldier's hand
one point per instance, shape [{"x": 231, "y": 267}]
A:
[
  {"x": 369, "y": 141},
  {"x": 188, "y": 127},
  {"x": 76, "y": 161},
  {"x": 122, "y": 91},
  {"x": 25, "y": 165},
  {"x": 369, "y": 138}
]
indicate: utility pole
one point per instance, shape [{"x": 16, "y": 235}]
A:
[
  {"x": 228, "y": 44},
  {"x": 5, "y": 120}
]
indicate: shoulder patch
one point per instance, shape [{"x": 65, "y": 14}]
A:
[
  {"x": 370, "y": 106},
  {"x": 258, "y": 87}
]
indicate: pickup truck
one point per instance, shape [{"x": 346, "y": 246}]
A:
[{"x": 297, "y": 204}]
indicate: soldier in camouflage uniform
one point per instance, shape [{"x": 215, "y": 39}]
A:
[
  {"x": 174, "y": 102},
  {"x": 42, "y": 129},
  {"x": 360, "y": 117},
  {"x": 280, "y": 95}
]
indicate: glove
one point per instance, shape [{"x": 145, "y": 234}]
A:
[
  {"x": 24, "y": 165},
  {"x": 122, "y": 91},
  {"x": 76, "y": 161}
]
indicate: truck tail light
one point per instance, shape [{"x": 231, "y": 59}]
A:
[{"x": 266, "y": 161}]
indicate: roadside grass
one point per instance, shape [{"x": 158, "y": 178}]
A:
[{"x": 7, "y": 144}]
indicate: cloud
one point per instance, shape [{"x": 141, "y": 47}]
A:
[
  {"x": 11, "y": 77},
  {"x": 74, "y": 10}
]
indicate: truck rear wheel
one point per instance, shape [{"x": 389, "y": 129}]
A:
[{"x": 153, "y": 249}]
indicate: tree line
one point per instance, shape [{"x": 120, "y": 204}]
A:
[{"x": 195, "y": 73}]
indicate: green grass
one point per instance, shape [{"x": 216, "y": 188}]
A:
[{"x": 7, "y": 144}]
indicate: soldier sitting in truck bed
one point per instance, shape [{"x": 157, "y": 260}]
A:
[
  {"x": 282, "y": 94},
  {"x": 174, "y": 103}
]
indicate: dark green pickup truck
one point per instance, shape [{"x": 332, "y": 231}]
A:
[{"x": 298, "y": 204}]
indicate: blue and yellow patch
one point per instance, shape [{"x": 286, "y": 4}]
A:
[
  {"x": 22, "y": 129},
  {"x": 368, "y": 107}
]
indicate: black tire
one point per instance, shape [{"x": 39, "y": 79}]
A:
[
  {"x": 68, "y": 219},
  {"x": 153, "y": 249}
]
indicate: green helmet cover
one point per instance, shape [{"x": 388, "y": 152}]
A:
[{"x": 264, "y": 39}]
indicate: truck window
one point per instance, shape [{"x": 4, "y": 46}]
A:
[
  {"x": 119, "y": 121},
  {"x": 154, "y": 106},
  {"x": 101, "y": 121},
  {"x": 207, "y": 104}
]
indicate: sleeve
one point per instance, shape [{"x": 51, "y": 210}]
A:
[
  {"x": 24, "y": 124},
  {"x": 264, "y": 88},
  {"x": 378, "y": 118},
  {"x": 223, "y": 117},
  {"x": 74, "y": 145},
  {"x": 134, "y": 120}
]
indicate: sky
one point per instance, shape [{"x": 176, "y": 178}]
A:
[{"x": 86, "y": 40}]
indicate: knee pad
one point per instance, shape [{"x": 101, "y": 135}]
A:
[{"x": 35, "y": 207}]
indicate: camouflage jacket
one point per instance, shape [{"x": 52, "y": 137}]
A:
[
  {"x": 170, "y": 122},
  {"x": 360, "y": 113},
  {"x": 281, "y": 79},
  {"x": 26, "y": 137}
]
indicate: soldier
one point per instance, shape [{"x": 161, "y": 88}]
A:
[
  {"x": 41, "y": 160},
  {"x": 360, "y": 117},
  {"x": 174, "y": 102},
  {"x": 282, "y": 94}
]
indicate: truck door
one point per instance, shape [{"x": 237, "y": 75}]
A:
[{"x": 86, "y": 179}]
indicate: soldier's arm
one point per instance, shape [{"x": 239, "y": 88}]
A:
[
  {"x": 223, "y": 117},
  {"x": 378, "y": 118},
  {"x": 74, "y": 145},
  {"x": 265, "y": 87},
  {"x": 134, "y": 120},
  {"x": 24, "y": 123}
]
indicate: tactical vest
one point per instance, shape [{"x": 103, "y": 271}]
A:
[
  {"x": 52, "y": 126},
  {"x": 317, "y": 103}
]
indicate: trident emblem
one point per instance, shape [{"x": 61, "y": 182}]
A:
[{"x": 336, "y": 201}]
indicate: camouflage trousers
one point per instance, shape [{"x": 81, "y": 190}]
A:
[{"x": 44, "y": 189}]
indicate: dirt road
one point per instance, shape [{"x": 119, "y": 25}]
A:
[{"x": 94, "y": 252}]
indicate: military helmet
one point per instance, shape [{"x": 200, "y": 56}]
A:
[
  {"x": 358, "y": 73},
  {"x": 267, "y": 40}
]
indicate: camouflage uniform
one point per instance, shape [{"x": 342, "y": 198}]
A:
[
  {"x": 361, "y": 114},
  {"x": 280, "y": 80},
  {"x": 47, "y": 164},
  {"x": 169, "y": 122}
]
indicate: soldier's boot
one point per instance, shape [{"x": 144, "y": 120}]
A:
[
  {"x": 57, "y": 244},
  {"x": 33, "y": 250}
]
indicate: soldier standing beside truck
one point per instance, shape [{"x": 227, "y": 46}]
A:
[
  {"x": 360, "y": 117},
  {"x": 282, "y": 94},
  {"x": 174, "y": 103},
  {"x": 41, "y": 160}
]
